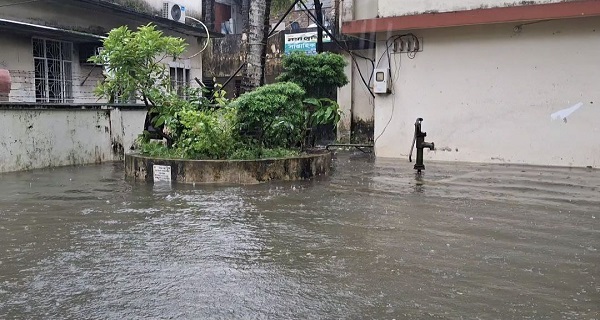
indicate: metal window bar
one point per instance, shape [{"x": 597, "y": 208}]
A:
[
  {"x": 180, "y": 79},
  {"x": 53, "y": 70}
]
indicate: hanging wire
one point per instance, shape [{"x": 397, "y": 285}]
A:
[{"x": 207, "y": 38}]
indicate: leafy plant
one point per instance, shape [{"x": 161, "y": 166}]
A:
[
  {"x": 220, "y": 95},
  {"x": 156, "y": 149},
  {"x": 207, "y": 134},
  {"x": 268, "y": 122},
  {"x": 324, "y": 112},
  {"x": 253, "y": 152},
  {"x": 319, "y": 75},
  {"x": 272, "y": 116},
  {"x": 134, "y": 67}
]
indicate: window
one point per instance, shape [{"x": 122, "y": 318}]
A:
[
  {"x": 180, "y": 79},
  {"x": 53, "y": 70}
]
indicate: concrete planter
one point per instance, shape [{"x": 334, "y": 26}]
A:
[{"x": 227, "y": 171}]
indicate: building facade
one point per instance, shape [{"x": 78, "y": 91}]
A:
[
  {"x": 495, "y": 81},
  {"x": 50, "y": 116},
  {"x": 45, "y": 45}
]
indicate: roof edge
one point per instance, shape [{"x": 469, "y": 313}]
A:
[{"x": 547, "y": 11}]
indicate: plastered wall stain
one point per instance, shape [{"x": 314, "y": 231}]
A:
[{"x": 42, "y": 138}]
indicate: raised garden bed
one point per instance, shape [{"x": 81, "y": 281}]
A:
[{"x": 301, "y": 167}]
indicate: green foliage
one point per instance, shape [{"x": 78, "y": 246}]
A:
[
  {"x": 324, "y": 112},
  {"x": 272, "y": 116},
  {"x": 266, "y": 123},
  {"x": 220, "y": 95},
  {"x": 133, "y": 62},
  {"x": 280, "y": 5},
  {"x": 253, "y": 152},
  {"x": 207, "y": 134},
  {"x": 319, "y": 75},
  {"x": 156, "y": 149}
]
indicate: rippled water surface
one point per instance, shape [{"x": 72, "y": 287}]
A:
[{"x": 371, "y": 241}]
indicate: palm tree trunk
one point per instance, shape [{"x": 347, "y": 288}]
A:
[
  {"x": 267, "y": 28},
  {"x": 256, "y": 37}
]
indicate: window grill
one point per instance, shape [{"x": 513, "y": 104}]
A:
[
  {"x": 180, "y": 80},
  {"x": 53, "y": 68}
]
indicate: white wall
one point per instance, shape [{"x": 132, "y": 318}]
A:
[
  {"x": 344, "y": 100},
  {"x": 48, "y": 138},
  {"x": 364, "y": 9},
  {"x": 354, "y": 98},
  {"x": 390, "y": 8},
  {"x": 370, "y": 9},
  {"x": 16, "y": 55},
  {"x": 488, "y": 92},
  {"x": 362, "y": 101}
]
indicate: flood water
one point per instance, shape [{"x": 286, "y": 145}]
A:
[{"x": 369, "y": 242}]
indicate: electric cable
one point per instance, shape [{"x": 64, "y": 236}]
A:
[
  {"x": 207, "y": 38},
  {"x": 340, "y": 45},
  {"x": 386, "y": 52},
  {"x": 393, "y": 78}
]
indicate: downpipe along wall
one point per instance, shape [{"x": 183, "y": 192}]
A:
[{"x": 50, "y": 136}]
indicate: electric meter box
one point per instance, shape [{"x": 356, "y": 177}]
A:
[{"x": 382, "y": 81}]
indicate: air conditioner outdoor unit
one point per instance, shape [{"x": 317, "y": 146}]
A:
[{"x": 173, "y": 11}]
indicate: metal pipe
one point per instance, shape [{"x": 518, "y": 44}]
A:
[
  {"x": 420, "y": 144},
  {"x": 283, "y": 17},
  {"x": 234, "y": 74}
]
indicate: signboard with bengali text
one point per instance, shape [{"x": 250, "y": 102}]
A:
[{"x": 304, "y": 42}]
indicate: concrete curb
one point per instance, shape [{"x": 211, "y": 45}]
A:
[{"x": 303, "y": 167}]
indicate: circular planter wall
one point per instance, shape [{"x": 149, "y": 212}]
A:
[{"x": 302, "y": 167}]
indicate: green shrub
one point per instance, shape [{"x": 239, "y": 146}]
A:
[
  {"x": 246, "y": 152},
  {"x": 272, "y": 116},
  {"x": 157, "y": 149},
  {"x": 319, "y": 75},
  {"x": 264, "y": 123},
  {"x": 206, "y": 134},
  {"x": 323, "y": 112}
]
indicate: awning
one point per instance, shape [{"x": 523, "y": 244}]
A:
[{"x": 29, "y": 29}]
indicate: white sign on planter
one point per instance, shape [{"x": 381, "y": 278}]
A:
[{"x": 161, "y": 173}]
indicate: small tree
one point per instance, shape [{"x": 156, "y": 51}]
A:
[
  {"x": 255, "y": 44},
  {"x": 134, "y": 67},
  {"x": 319, "y": 75},
  {"x": 272, "y": 116}
]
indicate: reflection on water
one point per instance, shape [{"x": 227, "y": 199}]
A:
[{"x": 372, "y": 241}]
